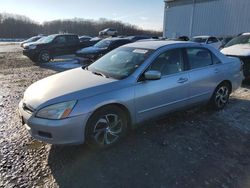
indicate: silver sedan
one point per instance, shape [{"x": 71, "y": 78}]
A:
[{"x": 98, "y": 104}]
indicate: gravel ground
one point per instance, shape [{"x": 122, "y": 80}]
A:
[{"x": 194, "y": 148}]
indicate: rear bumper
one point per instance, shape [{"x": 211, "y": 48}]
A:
[{"x": 66, "y": 131}]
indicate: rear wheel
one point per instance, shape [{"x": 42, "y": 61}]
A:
[
  {"x": 106, "y": 127},
  {"x": 221, "y": 96},
  {"x": 44, "y": 57}
]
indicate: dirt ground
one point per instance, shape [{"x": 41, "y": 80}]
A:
[{"x": 194, "y": 148}]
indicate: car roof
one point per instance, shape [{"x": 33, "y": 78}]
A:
[
  {"x": 68, "y": 34},
  {"x": 203, "y": 36},
  {"x": 116, "y": 39},
  {"x": 245, "y": 34},
  {"x": 153, "y": 45}
]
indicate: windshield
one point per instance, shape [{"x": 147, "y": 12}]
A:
[
  {"x": 120, "y": 63},
  {"x": 199, "y": 40},
  {"x": 103, "y": 44},
  {"x": 243, "y": 39},
  {"x": 41, "y": 39},
  {"x": 32, "y": 39},
  {"x": 47, "y": 39}
]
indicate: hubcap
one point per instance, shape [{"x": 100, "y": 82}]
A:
[
  {"x": 222, "y": 95},
  {"x": 107, "y": 129},
  {"x": 45, "y": 56}
]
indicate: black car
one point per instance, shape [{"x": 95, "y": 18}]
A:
[
  {"x": 102, "y": 47},
  {"x": 53, "y": 45}
]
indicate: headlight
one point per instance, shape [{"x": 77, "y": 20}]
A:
[
  {"x": 56, "y": 111},
  {"x": 32, "y": 47}
]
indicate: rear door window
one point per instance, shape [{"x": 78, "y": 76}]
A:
[{"x": 199, "y": 57}]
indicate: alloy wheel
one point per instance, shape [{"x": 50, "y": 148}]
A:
[
  {"x": 221, "y": 96},
  {"x": 107, "y": 129}
]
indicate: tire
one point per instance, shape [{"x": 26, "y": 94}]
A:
[
  {"x": 106, "y": 127},
  {"x": 44, "y": 57},
  {"x": 220, "y": 96}
]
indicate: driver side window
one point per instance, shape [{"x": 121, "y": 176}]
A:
[
  {"x": 60, "y": 40},
  {"x": 169, "y": 62}
]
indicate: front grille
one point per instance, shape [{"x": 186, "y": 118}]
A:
[{"x": 246, "y": 65}]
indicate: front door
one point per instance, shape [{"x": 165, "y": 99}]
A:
[{"x": 156, "y": 97}]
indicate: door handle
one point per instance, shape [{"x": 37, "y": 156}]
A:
[{"x": 182, "y": 80}]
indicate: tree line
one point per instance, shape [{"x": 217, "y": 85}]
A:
[{"x": 16, "y": 26}]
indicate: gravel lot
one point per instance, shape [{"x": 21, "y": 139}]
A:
[{"x": 194, "y": 148}]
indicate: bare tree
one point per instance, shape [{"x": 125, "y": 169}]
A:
[{"x": 16, "y": 26}]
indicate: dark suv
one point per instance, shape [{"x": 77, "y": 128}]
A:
[
  {"x": 51, "y": 46},
  {"x": 104, "y": 46}
]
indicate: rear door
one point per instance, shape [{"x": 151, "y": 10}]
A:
[
  {"x": 156, "y": 97},
  {"x": 205, "y": 73},
  {"x": 72, "y": 44}
]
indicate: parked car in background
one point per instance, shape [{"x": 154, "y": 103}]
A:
[
  {"x": 183, "y": 38},
  {"x": 130, "y": 85},
  {"x": 212, "y": 41},
  {"x": 32, "y": 39},
  {"x": 104, "y": 46},
  {"x": 224, "y": 41},
  {"x": 84, "y": 38},
  {"x": 51, "y": 46},
  {"x": 138, "y": 37},
  {"x": 240, "y": 47},
  {"x": 108, "y": 32},
  {"x": 30, "y": 43}
]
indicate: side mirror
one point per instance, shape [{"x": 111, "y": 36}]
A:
[
  {"x": 152, "y": 75},
  {"x": 210, "y": 42}
]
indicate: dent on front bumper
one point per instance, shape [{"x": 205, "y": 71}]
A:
[{"x": 66, "y": 131}]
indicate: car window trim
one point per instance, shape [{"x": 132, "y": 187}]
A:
[
  {"x": 140, "y": 77},
  {"x": 188, "y": 63}
]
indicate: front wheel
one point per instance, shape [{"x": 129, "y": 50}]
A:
[
  {"x": 106, "y": 127},
  {"x": 44, "y": 57},
  {"x": 220, "y": 97}
]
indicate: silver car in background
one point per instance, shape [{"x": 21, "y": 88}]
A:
[{"x": 127, "y": 86}]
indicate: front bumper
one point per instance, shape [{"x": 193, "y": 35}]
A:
[
  {"x": 66, "y": 131},
  {"x": 30, "y": 53}
]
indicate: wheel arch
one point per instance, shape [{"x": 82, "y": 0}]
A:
[
  {"x": 227, "y": 82},
  {"x": 119, "y": 105}
]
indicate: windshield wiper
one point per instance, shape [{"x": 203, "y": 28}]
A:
[{"x": 99, "y": 74}]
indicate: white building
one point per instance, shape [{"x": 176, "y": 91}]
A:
[{"x": 206, "y": 17}]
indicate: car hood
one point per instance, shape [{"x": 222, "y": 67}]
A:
[
  {"x": 90, "y": 50},
  {"x": 237, "y": 50},
  {"x": 34, "y": 44},
  {"x": 69, "y": 85}
]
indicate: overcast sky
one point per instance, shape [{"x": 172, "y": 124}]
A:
[{"x": 147, "y": 14}]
